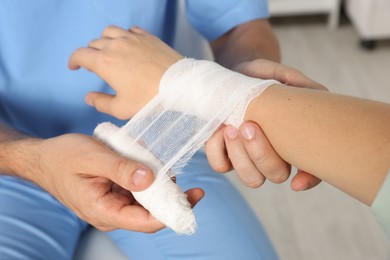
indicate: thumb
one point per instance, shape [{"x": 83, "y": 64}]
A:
[
  {"x": 128, "y": 174},
  {"x": 100, "y": 101}
]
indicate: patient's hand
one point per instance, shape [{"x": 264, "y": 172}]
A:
[
  {"x": 131, "y": 62},
  {"x": 247, "y": 149}
]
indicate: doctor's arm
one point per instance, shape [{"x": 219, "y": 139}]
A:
[{"x": 95, "y": 174}]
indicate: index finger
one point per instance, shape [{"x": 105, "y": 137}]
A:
[
  {"x": 294, "y": 77},
  {"x": 119, "y": 211},
  {"x": 83, "y": 57},
  {"x": 136, "y": 218},
  {"x": 266, "y": 69}
]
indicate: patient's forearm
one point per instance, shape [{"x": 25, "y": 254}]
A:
[{"x": 343, "y": 140}]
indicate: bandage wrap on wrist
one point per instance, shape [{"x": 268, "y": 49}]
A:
[{"x": 195, "y": 98}]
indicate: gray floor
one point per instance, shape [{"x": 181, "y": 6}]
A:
[{"x": 324, "y": 223}]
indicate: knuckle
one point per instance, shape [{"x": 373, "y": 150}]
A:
[
  {"x": 117, "y": 110},
  {"x": 214, "y": 147},
  {"x": 92, "y": 42},
  {"x": 108, "y": 29},
  {"x": 250, "y": 176},
  {"x": 241, "y": 163},
  {"x": 103, "y": 228},
  {"x": 120, "y": 166},
  {"x": 279, "y": 172},
  {"x": 104, "y": 60},
  {"x": 213, "y": 143},
  {"x": 255, "y": 183},
  {"x": 276, "y": 171},
  {"x": 261, "y": 156},
  {"x": 280, "y": 178},
  {"x": 219, "y": 163},
  {"x": 221, "y": 167},
  {"x": 291, "y": 75},
  {"x": 118, "y": 44}
]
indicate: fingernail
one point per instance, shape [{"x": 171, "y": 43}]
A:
[
  {"x": 139, "y": 176},
  {"x": 248, "y": 132},
  {"x": 231, "y": 132}
]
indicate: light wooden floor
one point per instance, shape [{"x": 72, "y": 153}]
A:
[{"x": 323, "y": 223}]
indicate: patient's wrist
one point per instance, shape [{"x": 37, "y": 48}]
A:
[{"x": 257, "y": 108}]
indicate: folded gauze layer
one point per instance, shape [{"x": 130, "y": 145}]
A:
[{"x": 195, "y": 97}]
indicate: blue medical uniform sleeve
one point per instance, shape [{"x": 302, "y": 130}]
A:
[
  {"x": 213, "y": 18},
  {"x": 381, "y": 206}
]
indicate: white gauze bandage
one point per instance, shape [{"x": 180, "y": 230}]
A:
[{"x": 195, "y": 98}]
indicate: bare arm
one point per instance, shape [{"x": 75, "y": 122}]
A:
[
  {"x": 17, "y": 153},
  {"x": 342, "y": 140},
  {"x": 95, "y": 173}
]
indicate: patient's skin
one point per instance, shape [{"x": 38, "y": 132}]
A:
[
  {"x": 342, "y": 140},
  {"x": 133, "y": 61},
  {"x": 346, "y": 140}
]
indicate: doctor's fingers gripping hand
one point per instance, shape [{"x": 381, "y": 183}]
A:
[{"x": 248, "y": 149}]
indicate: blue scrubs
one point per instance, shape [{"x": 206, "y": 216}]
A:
[
  {"x": 381, "y": 206},
  {"x": 41, "y": 97}
]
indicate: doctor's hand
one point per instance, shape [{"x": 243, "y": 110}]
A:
[
  {"x": 132, "y": 62},
  {"x": 95, "y": 182},
  {"x": 247, "y": 149}
]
